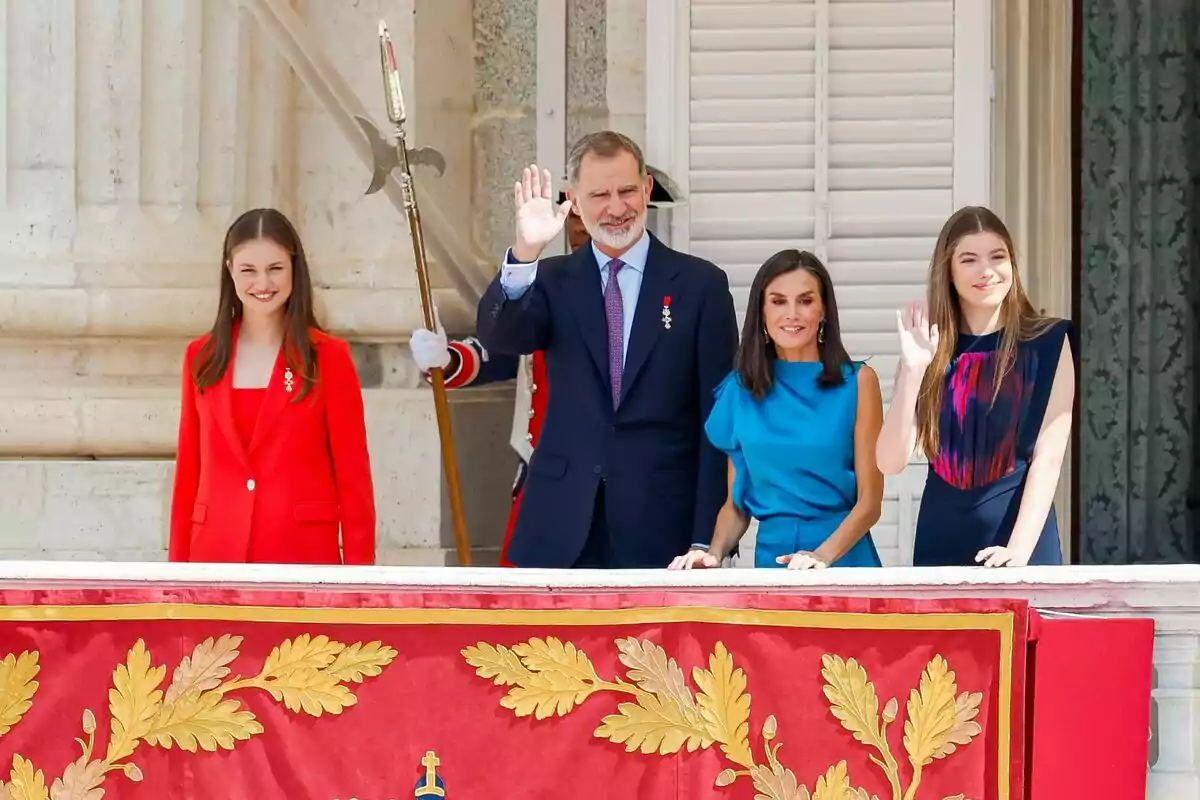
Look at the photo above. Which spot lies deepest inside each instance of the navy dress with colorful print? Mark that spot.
(975, 484)
(793, 459)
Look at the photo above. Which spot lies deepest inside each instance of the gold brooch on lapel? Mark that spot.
(667, 312)
(287, 379)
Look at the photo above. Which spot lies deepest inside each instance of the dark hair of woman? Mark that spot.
(756, 352)
(299, 318)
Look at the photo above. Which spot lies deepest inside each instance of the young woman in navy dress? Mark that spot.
(798, 420)
(985, 388)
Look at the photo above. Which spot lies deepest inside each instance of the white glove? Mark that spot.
(430, 350)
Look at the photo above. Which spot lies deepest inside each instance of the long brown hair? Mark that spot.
(756, 352)
(1019, 320)
(299, 319)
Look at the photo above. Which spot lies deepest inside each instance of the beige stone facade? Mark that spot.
(134, 134)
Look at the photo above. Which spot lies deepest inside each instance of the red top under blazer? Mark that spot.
(282, 498)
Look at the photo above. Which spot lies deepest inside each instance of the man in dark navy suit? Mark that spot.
(636, 338)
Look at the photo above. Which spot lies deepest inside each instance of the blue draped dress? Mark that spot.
(793, 454)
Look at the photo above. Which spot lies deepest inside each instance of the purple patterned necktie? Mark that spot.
(615, 312)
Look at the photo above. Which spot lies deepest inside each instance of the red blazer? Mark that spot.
(305, 473)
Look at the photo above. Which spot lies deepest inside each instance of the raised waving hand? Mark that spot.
(539, 219)
(918, 338)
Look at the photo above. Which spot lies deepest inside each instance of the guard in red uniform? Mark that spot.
(466, 363)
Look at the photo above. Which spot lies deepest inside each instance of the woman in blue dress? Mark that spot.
(798, 420)
(984, 388)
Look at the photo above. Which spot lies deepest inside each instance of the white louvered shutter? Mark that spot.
(752, 134)
(829, 126)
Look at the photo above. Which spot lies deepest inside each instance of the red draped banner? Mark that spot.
(222, 695)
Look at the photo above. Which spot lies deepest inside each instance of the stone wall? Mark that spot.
(587, 68)
(133, 134)
(626, 67)
(504, 125)
(606, 88)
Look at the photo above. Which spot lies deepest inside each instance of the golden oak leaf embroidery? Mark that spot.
(81, 780)
(203, 720)
(194, 713)
(834, 784)
(133, 701)
(725, 706)
(26, 783)
(853, 702)
(312, 691)
(360, 661)
(652, 726)
(545, 695)
(651, 669)
(549, 677)
(204, 669)
(555, 658)
(17, 687)
(966, 708)
(776, 782)
(499, 664)
(303, 652)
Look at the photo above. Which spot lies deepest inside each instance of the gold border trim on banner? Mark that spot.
(1001, 622)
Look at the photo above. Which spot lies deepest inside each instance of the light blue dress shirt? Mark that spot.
(516, 278)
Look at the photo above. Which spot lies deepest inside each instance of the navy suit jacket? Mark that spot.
(664, 482)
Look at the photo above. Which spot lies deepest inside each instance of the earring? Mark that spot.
(821, 333)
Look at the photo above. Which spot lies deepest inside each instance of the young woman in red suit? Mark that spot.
(272, 462)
